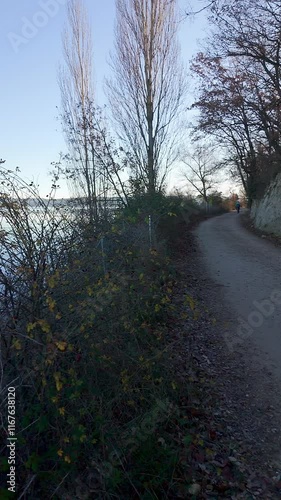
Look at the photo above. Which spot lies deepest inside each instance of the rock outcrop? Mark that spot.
(266, 212)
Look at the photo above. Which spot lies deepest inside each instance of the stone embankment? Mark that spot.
(266, 213)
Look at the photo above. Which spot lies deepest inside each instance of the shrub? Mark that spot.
(84, 341)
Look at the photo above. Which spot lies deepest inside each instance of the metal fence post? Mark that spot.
(102, 254)
(150, 231)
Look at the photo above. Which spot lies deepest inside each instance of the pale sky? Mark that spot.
(30, 52)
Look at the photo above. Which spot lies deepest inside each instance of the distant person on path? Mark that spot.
(237, 206)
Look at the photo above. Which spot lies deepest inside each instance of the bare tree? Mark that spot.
(228, 112)
(240, 92)
(190, 11)
(94, 163)
(148, 85)
(75, 80)
(202, 170)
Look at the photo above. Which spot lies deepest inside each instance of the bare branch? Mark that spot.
(148, 85)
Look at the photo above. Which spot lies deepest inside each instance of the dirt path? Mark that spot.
(236, 348)
(247, 270)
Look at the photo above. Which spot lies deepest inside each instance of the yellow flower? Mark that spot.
(17, 344)
(30, 327)
(59, 385)
(130, 403)
(61, 345)
(60, 453)
(62, 411)
(165, 300)
(159, 380)
(51, 303)
(67, 459)
(45, 327)
(51, 282)
(190, 302)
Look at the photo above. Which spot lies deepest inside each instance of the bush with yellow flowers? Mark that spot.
(85, 342)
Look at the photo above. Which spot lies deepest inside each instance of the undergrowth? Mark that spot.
(85, 343)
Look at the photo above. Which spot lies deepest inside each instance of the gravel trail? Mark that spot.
(238, 280)
(246, 271)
